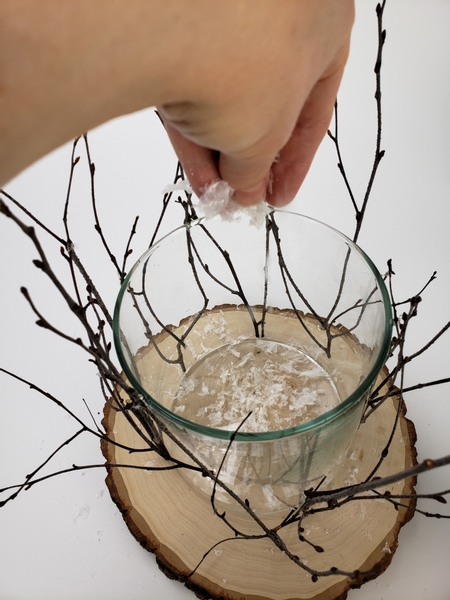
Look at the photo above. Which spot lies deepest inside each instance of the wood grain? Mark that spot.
(177, 523)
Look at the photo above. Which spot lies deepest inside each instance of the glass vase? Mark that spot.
(257, 348)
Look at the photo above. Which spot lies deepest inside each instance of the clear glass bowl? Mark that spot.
(268, 338)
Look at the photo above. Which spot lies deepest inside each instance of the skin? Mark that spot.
(246, 89)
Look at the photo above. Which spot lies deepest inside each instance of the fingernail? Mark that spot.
(281, 194)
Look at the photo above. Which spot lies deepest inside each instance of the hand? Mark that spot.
(263, 103)
(246, 88)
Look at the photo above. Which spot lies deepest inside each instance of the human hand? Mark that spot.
(262, 99)
(246, 89)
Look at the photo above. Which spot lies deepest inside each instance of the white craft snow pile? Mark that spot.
(217, 199)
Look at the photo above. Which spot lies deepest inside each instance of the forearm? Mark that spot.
(239, 83)
(67, 66)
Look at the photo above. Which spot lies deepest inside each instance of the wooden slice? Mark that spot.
(177, 523)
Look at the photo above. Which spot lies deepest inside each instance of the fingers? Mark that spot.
(199, 163)
(261, 146)
(249, 177)
(280, 174)
(295, 158)
(269, 170)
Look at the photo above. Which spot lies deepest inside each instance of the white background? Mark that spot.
(64, 539)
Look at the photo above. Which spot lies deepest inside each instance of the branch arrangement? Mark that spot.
(84, 300)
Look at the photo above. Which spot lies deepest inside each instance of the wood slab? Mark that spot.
(177, 523)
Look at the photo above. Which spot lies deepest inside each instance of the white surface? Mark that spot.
(64, 539)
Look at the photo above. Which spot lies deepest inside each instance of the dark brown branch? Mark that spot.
(335, 138)
(97, 433)
(5, 210)
(240, 290)
(287, 277)
(385, 451)
(379, 153)
(29, 484)
(354, 490)
(128, 249)
(68, 246)
(179, 174)
(97, 225)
